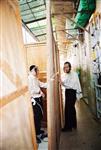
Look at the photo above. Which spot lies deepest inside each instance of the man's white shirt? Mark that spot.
(71, 81)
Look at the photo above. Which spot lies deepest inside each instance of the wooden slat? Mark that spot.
(9, 72)
(33, 133)
(7, 99)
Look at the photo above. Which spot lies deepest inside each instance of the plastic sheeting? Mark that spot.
(86, 8)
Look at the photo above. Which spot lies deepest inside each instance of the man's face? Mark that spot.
(66, 68)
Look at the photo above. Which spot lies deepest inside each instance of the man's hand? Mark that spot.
(60, 82)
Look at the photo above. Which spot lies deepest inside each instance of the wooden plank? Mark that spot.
(33, 132)
(9, 72)
(60, 93)
(36, 52)
(50, 84)
(53, 100)
(9, 98)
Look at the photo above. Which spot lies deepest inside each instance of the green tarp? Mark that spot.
(85, 9)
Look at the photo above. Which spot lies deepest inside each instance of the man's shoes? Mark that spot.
(44, 136)
(66, 130)
(38, 140)
(63, 130)
(69, 130)
(45, 139)
(75, 128)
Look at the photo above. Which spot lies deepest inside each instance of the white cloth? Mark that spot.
(34, 86)
(71, 81)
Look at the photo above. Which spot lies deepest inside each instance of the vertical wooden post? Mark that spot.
(32, 126)
(57, 98)
(50, 82)
(60, 92)
(54, 101)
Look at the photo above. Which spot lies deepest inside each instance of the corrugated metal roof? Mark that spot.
(33, 13)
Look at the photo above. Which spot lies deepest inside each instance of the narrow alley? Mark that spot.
(50, 74)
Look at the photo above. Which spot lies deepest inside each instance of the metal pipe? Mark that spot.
(78, 25)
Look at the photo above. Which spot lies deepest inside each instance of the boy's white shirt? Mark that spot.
(34, 86)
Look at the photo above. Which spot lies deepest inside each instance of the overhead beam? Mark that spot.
(40, 10)
(31, 21)
(24, 3)
(65, 29)
(61, 1)
(33, 7)
(71, 12)
(70, 35)
(41, 35)
(84, 29)
(38, 28)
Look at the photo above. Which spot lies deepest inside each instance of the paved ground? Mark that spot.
(88, 134)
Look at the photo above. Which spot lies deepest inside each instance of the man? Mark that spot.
(72, 86)
(36, 98)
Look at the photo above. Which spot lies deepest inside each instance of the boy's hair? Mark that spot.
(31, 67)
